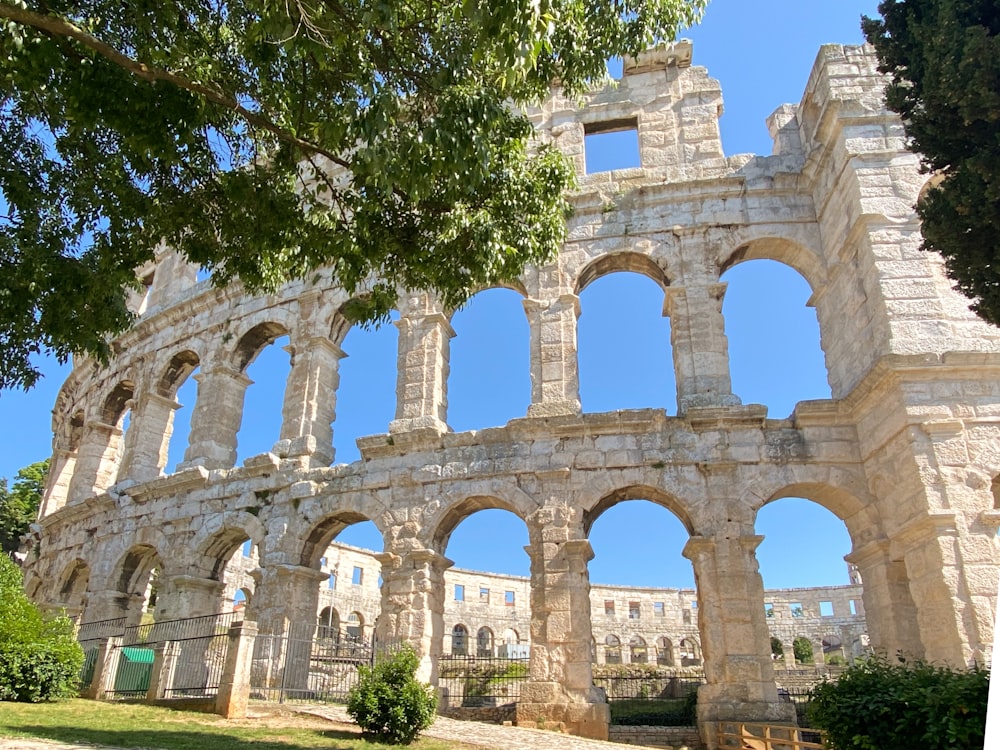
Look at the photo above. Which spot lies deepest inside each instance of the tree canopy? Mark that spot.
(19, 504)
(944, 59)
(263, 140)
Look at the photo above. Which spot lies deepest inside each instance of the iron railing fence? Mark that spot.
(651, 700)
(179, 630)
(98, 629)
(199, 664)
(474, 681)
(800, 698)
(310, 669)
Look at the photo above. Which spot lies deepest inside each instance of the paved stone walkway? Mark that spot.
(486, 736)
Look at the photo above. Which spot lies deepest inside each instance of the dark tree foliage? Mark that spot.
(383, 141)
(944, 59)
(19, 504)
(877, 704)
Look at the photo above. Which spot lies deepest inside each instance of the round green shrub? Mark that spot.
(388, 703)
(879, 705)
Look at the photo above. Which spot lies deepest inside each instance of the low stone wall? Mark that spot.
(491, 714)
(674, 738)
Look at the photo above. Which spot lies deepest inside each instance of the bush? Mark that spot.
(879, 705)
(40, 659)
(388, 703)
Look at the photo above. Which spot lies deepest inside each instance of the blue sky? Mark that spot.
(761, 52)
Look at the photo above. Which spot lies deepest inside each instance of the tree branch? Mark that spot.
(61, 28)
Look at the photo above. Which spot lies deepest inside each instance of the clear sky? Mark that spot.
(762, 53)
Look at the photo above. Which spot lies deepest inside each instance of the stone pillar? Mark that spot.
(700, 347)
(306, 438)
(105, 668)
(285, 602)
(890, 614)
(183, 596)
(422, 373)
(234, 687)
(555, 377)
(57, 486)
(413, 593)
(166, 655)
(173, 275)
(218, 413)
(560, 691)
(97, 461)
(735, 641)
(932, 552)
(110, 604)
(148, 438)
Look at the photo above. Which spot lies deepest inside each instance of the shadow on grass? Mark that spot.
(158, 739)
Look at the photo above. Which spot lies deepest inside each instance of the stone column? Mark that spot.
(105, 668)
(735, 641)
(234, 687)
(890, 614)
(700, 347)
(184, 596)
(555, 377)
(218, 413)
(306, 438)
(932, 550)
(148, 438)
(57, 487)
(422, 373)
(285, 602)
(560, 689)
(97, 461)
(110, 604)
(413, 593)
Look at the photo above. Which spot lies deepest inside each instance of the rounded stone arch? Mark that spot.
(793, 252)
(638, 651)
(68, 414)
(219, 538)
(319, 533)
(593, 508)
(689, 651)
(484, 642)
(345, 317)
(329, 623)
(861, 518)
(117, 402)
(459, 640)
(515, 286)
(664, 651)
(438, 528)
(175, 371)
(623, 261)
(252, 342)
(74, 582)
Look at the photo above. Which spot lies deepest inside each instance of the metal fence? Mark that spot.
(475, 682)
(193, 648)
(288, 669)
(651, 700)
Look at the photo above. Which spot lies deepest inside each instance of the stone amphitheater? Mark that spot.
(905, 452)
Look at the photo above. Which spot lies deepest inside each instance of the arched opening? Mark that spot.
(459, 640)
(179, 383)
(641, 584)
(490, 379)
(484, 643)
(343, 547)
(808, 586)
(137, 582)
(264, 357)
(623, 340)
(775, 357)
(73, 589)
(690, 652)
(366, 394)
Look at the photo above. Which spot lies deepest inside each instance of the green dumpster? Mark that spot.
(135, 667)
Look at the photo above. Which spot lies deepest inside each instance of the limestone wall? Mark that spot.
(905, 452)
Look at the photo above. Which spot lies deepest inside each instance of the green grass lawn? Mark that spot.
(149, 727)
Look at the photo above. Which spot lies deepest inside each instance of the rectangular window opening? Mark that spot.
(459, 592)
(357, 575)
(768, 609)
(796, 609)
(658, 609)
(826, 609)
(508, 598)
(854, 607)
(610, 145)
(484, 595)
(633, 610)
(609, 608)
